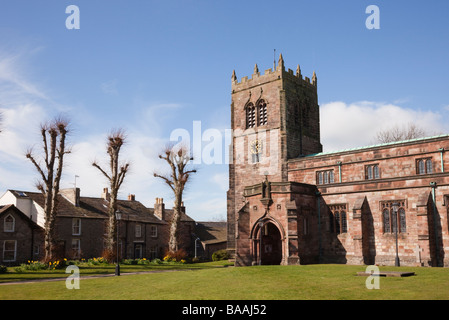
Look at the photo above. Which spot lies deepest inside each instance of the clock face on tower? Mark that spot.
(256, 147)
(256, 151)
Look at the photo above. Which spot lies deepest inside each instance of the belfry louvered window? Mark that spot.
(263, 116)
(250, 116)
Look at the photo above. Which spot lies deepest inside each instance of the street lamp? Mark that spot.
(118, 217)
(396, 224)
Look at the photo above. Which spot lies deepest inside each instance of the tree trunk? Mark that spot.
(174, 226)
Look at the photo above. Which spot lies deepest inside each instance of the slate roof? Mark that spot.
(96, 208)
(211, 232)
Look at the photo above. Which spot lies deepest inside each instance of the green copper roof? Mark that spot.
(377, 145)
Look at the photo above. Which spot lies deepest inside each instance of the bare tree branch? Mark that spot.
(177, 159)
(396, 133)
(115, 140)
(54, 136)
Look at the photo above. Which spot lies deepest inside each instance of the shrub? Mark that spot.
(175, 256)
(220, 255)
(2, 269)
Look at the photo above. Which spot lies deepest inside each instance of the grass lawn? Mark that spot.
(245, 283)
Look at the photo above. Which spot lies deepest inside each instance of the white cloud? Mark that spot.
(355, 125)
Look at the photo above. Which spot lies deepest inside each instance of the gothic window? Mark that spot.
(338, 221)
(9, 224)
(344, 223)
(250, 116)
(393, 220)
(402, 224)
(325, 177)
(320, 177)
(386, 218)
(424, 166)
(372, 172)
(263, 116)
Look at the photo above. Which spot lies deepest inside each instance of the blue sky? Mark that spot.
(154, 66)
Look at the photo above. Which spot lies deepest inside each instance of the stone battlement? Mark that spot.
(277, 72)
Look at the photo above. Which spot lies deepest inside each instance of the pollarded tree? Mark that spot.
(116, 139)
(54, 136)
(178, 160)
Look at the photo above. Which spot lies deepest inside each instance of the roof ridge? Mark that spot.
(375, 145)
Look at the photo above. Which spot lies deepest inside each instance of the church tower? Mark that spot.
(274, 117)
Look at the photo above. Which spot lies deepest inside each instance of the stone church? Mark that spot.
(291, 203)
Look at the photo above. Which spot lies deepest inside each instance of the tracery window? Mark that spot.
(338, 221)
(424, 166)
(393, 220)
(372, 172)
(325, 177)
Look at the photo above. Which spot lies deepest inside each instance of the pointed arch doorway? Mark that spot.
(268, 244)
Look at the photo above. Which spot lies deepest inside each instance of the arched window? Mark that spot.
(263, 116)
(344, 223)
(337, 222)
(392, 220)
(386, 218)
(250, 116)
(428, 166)
(9, 224)
(402, 224)
(320, 177)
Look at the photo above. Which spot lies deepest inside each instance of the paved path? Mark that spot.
(89, 277)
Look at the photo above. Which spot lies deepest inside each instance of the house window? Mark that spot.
(76, 226)
(250, 116)
(338, 219)
(9, 224)
(153, 252)
(153, 231)
(9, 250)
(392, 220)
(372, 172)
(138, 230)
(76, 248)
(263, 117)
(138, 251)
(424, 166)
(325, 177)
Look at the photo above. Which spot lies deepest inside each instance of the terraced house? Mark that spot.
(80, 226)
(291, 203)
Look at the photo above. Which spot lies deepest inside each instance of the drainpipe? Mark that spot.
(433, 185)
(318, 194)
(339, 170)
(442, 162)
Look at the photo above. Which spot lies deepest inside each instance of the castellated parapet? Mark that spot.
(272, 74)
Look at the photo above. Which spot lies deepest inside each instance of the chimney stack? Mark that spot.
(159, 208)
(71, 194)
(131, 197)
(105, 195)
